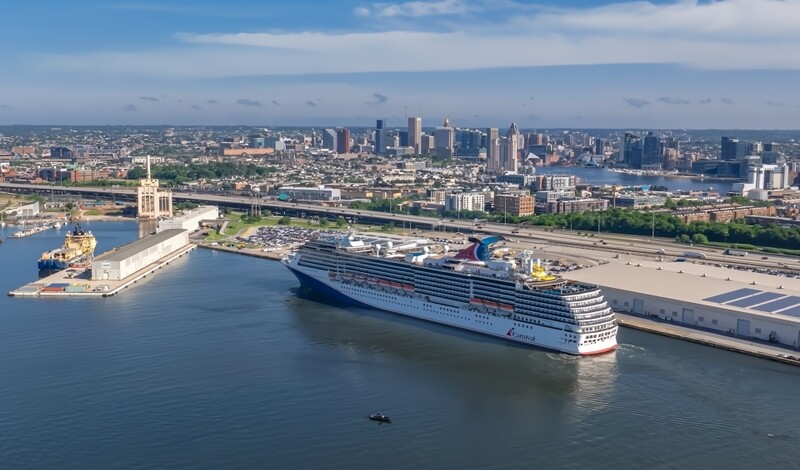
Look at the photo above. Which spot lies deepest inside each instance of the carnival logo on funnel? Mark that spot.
(521, 336)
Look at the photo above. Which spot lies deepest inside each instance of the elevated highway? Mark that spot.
(610, 244)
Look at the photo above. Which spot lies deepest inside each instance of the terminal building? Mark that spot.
(741, 303)
(190, 220)
(309, 194)
(126, 260)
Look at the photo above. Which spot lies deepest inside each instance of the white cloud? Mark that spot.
(361, 11)
(420, 9)
(733, 34)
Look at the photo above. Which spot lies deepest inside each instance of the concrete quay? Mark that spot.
(80, 278)
(708, 338)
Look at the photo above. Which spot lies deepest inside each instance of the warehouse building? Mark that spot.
(126, 260)
(190, 220)
(742, 303)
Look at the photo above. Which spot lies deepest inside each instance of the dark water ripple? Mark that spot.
(217, 362)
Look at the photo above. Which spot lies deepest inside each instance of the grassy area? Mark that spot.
(94, 212)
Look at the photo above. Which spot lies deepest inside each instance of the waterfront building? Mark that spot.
(733, 149)
(554, 182)
(189, 220)
(652, 152)
(153, 202)
(126, 260)
(599, 146)
(630, 152)
(415, 133)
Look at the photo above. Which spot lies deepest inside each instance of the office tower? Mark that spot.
(342, 140)
(509, 149)
(444, 138)
(380, 138)
(415, 133)
(630, 152)
(732, 149)
(599, 146)
(329, 139)
(492, 150)
(426, 144)
(652, 151)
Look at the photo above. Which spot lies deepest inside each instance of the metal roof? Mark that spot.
(723, 288)
(135, 247)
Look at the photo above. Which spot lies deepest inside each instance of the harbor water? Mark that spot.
(604, 176)
(218, 361)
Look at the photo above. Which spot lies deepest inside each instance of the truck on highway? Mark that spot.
(694, 254)
(733, 252)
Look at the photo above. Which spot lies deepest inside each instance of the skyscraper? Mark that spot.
(652, 151)
(380, 137)
(415, 133)
(630, 152)
(329, 139)
(444, 139)
(732, 149)
(342, 140)
(510, 149)
(492, 150)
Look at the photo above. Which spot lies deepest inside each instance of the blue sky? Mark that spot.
(591, 63)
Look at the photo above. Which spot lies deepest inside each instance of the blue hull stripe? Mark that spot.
(324, 289)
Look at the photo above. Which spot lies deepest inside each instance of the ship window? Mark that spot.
(713, 322)
(758, 331)
(700, 319)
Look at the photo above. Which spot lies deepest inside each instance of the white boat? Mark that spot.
(512, 299)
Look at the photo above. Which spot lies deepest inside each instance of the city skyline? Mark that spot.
(581, 64)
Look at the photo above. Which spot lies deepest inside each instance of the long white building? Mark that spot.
(749, 305)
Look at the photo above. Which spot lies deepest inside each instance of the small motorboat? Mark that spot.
(380, 417)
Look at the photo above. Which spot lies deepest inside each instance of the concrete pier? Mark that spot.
(80, 284)
(729, 343)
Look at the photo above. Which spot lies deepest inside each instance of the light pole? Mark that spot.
(653, 232)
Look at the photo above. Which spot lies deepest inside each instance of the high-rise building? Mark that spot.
(599, 146)
(492, 150)
(630, 152)
(732, 149)
(329, 139)
(342, 140)
(509, 149)
(652, 151)
(380, 138)
(444, 139)
(464, 202)
(415, 133)
(426, 144)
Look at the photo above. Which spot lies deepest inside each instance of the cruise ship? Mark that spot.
(509, 297)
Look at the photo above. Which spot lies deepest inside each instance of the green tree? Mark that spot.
(340, 222)
(285, 220)
(699, 238)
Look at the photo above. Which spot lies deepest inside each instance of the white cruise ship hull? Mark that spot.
(411, 305)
